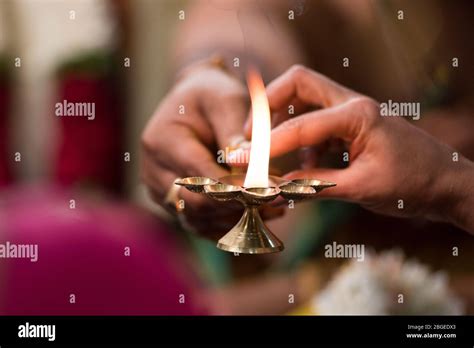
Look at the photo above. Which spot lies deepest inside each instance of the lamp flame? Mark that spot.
(257, 172)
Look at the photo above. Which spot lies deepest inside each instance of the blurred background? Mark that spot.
(65, 44)
(72, 186)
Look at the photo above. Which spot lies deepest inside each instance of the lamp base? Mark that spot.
(250, 235)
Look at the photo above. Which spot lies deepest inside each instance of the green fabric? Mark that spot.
(216, 263)
(95, 62)
(308, 236)
(311, 232)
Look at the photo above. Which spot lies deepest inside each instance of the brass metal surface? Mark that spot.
(250, 235)
(195, 183)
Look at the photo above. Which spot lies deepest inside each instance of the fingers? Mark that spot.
(227, 118)
(308, 86)
(294, 108)
(183, 153)
(314, 128)
(157, 179)
(185, 156)
(309, 156)
(223, 102)
(301, 87)
(343, 121)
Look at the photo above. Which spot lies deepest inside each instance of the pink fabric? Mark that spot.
(90, 151)
(81, 252)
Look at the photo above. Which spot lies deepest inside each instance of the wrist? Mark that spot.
(454, 202)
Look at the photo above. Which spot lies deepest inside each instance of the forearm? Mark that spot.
(455, 197)
(255, 35)
(452, 126)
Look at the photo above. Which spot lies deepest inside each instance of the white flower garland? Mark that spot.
(373, 287)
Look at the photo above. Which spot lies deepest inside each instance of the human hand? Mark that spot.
(179, 145)
(395, 168)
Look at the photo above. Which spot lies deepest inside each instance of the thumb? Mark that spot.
(226, 117)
